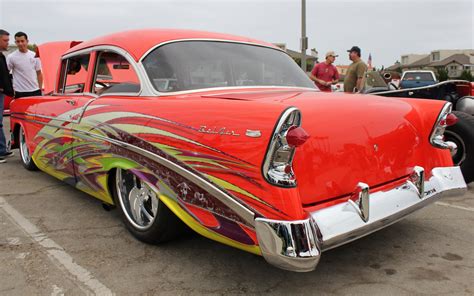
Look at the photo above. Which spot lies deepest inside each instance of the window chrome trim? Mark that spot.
(206, 39)
(117, 50)
(230, 88)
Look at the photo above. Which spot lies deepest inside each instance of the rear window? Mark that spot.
(418, 77)
(206, 64)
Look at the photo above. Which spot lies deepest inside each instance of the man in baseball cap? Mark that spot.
(325, 74)
(355, 72)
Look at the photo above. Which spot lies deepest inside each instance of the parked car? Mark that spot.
(417, 78)
(228, 136)
(6, 105)
(458, 92)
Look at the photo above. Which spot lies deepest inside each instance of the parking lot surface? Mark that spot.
(56, 240)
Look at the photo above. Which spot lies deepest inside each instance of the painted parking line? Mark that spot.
(56, 253)
(439, 203)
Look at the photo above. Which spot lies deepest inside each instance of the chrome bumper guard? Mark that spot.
(297, 245)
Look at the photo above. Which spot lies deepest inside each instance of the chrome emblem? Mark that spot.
(223, 131)
(253, 133)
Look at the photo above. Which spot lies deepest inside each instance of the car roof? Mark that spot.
(139, 42)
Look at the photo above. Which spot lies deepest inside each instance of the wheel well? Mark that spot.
(16, 136)
(111, 185)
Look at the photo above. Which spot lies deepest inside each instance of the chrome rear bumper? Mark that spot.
(297, 245)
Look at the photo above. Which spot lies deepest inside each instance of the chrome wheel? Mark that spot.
(24, 151)
(138, 201)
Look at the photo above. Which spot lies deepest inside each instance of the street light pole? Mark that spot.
(304, 39)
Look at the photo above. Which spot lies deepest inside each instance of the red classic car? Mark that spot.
(228, 136)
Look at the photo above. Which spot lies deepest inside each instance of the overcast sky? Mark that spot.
(384, 28)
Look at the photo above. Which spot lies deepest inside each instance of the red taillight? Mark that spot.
(296, 136)
(445, 119)
(451, 119)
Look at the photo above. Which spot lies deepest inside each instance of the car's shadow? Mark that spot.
(98, 240)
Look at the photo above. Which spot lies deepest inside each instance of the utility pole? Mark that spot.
(304, 39)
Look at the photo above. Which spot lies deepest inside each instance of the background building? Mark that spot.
(456, 63)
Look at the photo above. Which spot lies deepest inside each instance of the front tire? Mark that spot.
(144, 214)
(462, 134)
(25, 154)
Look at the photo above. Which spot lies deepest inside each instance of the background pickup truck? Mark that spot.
(418, 78)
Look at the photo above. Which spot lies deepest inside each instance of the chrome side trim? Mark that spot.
(297, 245)
(246, 214)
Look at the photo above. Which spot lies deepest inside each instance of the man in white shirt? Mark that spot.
(25, 68)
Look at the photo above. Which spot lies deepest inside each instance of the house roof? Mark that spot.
(394, 67)
(419, 63)
(459, 58)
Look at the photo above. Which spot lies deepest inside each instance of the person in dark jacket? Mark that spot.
(6, 88)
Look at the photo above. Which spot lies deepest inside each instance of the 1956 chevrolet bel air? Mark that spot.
(228, 136)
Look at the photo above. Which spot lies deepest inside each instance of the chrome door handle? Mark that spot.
(71, 102)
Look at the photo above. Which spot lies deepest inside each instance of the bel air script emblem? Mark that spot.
(223, 131)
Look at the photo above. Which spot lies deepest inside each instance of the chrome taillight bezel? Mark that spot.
(280, 173)
(437, 134)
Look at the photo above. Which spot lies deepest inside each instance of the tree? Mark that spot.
(309, 63)
(466, 75)
(442, 74)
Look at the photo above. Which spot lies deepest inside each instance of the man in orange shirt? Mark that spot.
(325, 74)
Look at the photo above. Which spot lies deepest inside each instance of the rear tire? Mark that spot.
(25, 155)
(144, 214)
(462, 134)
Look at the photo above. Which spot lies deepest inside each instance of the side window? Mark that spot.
(74, 74)
(114, 74)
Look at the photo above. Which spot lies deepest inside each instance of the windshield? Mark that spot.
(205, 64)
(374, 80)
(418, 77)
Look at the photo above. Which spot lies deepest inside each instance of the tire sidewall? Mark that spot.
(166, 226)
(464, 129)
(30, 165)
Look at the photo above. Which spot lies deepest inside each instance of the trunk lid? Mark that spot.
(353, 139)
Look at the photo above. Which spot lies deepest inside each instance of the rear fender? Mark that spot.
(225, 141)
(424, 117)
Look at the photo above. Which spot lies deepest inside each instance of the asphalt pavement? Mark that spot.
(56, 240)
